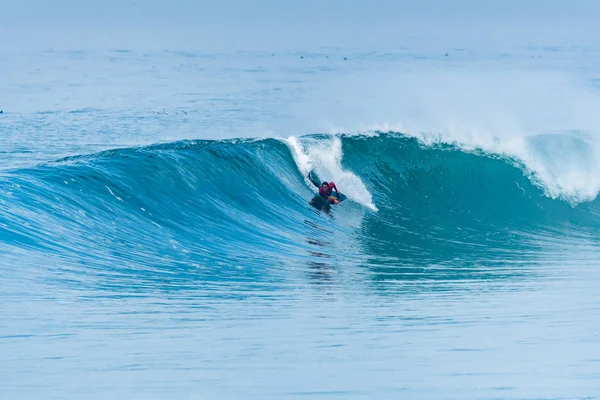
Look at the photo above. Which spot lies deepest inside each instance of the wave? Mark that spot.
(231, 209)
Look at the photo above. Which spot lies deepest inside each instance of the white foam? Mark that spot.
(302, 160)
(324, 157)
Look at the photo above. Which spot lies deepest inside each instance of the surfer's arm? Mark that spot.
(312, 181)
(337, 192)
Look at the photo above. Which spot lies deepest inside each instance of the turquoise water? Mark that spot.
(157, 241)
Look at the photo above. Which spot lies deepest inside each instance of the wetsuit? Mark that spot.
(324, 192)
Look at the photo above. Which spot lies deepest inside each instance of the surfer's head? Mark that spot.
(325, 185)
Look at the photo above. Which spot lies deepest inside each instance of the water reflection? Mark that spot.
(321, 264)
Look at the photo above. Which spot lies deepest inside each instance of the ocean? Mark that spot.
(157, 241)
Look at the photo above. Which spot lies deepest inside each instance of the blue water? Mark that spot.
(157, 241)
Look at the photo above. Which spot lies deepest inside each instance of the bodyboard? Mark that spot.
(341, 196)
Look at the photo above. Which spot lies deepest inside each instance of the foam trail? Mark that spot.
(302, 160)
(325, 159)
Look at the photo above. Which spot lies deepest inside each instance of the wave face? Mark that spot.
(198, 212)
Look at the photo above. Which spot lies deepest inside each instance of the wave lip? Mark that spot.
(563, 164)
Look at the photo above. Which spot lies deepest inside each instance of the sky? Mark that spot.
(267, 25)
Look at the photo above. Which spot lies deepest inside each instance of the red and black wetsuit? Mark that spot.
(324, 192)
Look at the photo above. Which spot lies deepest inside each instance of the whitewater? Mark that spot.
(157, 241)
